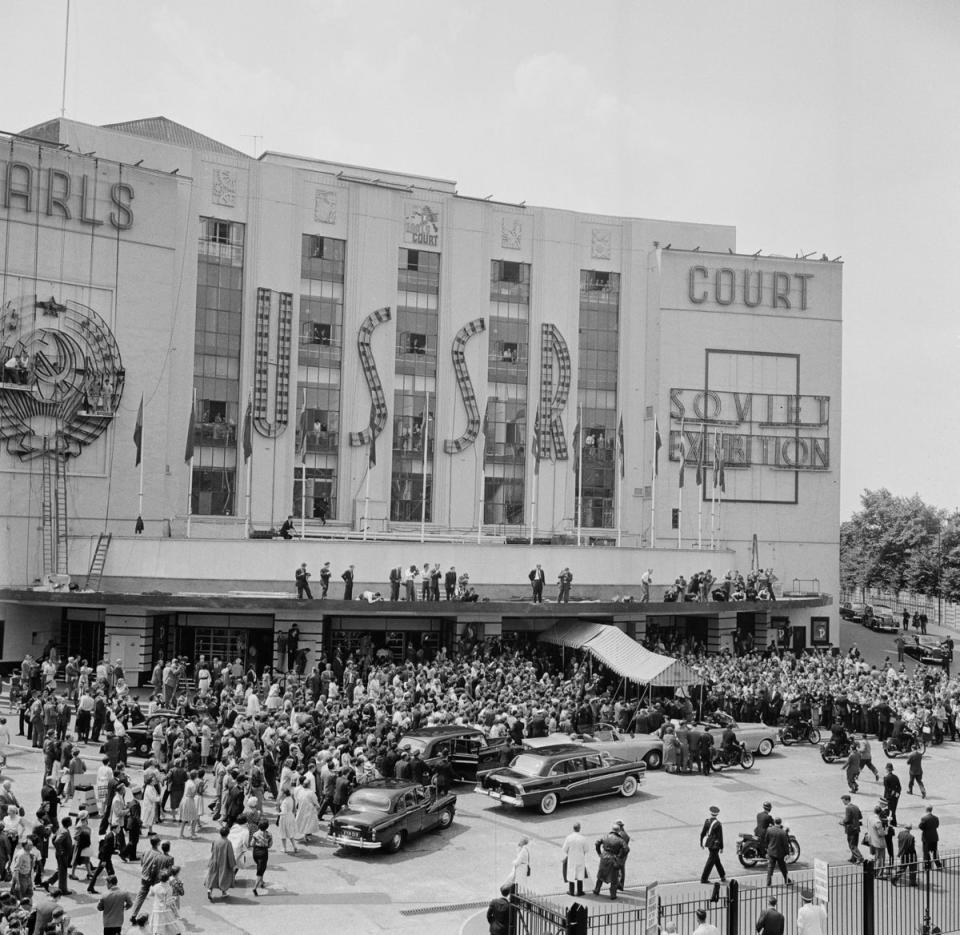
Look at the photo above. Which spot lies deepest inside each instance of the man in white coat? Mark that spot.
(575, 847)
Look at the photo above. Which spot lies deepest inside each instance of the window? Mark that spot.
(220, 232)
(416, 343)
(320, 333)
(509, 271)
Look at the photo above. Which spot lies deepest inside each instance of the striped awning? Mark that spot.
(625, 656)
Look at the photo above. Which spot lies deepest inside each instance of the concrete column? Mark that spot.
(128, 636)
(720, 631)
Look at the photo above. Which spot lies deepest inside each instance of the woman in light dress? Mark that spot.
(288, 776)
(288, 821)
(308, 807)
(151, 806)
(163, 913)
(190, 806)
(239, 838)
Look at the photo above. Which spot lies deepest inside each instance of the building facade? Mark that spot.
(376, 352)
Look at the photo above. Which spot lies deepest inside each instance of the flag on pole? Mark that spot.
(188, 450)
(536, 444)
(623, 458)
(248, 433)
(373, 436)
(723, 479)
(716, 459)
(577, 443)
(302, 427)
(683, 454)
(657, 445)
(138, 432)
(700, 460)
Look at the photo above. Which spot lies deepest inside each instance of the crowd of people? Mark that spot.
(252, 751)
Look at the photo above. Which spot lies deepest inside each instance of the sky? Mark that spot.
(824, 127)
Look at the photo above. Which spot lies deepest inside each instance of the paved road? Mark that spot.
(437, 882)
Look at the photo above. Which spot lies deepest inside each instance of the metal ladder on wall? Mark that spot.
(53, 515)
(97, 563)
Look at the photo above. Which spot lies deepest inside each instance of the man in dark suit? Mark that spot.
(396, 575)
(537, 578)
(778, 846)
(498, 912)
(63, 850)
(450, 583)
(348, 583)
(907, 855)
(711, 838)
(771, 921)
(112, 905)
(930, 839)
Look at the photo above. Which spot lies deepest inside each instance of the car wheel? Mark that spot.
(548, 804)
(142, 749)
(395, 843)
(628, 787)
(765, 747)
(654, 759)
(445, 818)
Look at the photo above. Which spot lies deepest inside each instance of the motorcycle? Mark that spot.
(735, 756)
(906, 743)
(800, 730)
(749, 852)
(833, 750)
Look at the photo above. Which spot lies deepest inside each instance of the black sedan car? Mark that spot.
(470, 751)
(140, 736)
(544, 777)
(385, 813)
(930, 650)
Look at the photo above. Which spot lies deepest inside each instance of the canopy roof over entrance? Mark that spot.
(619, 652)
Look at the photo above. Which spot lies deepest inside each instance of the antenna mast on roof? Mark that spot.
(66, 46)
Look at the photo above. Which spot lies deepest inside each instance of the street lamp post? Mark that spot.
(939, 573)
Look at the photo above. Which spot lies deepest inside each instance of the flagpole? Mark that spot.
(683, 457)
(713, 496)
(653, 497)
(480, 493)
(366, 500)
(140, 495)
(621, 459)
(723, 484)
(425, 437)
(533, 505)
(190, 478)
(580, 473)
(249, 428)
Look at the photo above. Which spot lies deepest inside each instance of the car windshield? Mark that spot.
(527, 765)
(369, 800)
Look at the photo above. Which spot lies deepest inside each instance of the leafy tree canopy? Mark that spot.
(902, 544)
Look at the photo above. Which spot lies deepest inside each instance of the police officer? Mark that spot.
(610, 849)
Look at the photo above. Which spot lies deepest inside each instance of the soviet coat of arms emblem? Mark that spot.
(61, 377)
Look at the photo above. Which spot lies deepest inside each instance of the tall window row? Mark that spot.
(319, 356)
(415, 387)
(597, 395)
(216, 366)
(508, 366)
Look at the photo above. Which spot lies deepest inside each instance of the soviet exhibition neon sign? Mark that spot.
(777, 430)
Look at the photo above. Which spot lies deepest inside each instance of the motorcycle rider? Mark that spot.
(764, 821)
(729, 747)
(838, 737)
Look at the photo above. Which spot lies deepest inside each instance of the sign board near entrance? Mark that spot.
(821, 880)
(653, 910)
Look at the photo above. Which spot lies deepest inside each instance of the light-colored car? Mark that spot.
(605, 738)
(757, 738)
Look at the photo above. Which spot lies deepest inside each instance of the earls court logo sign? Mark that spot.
(421, 225)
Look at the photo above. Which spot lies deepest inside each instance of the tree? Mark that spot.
(901, 543)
